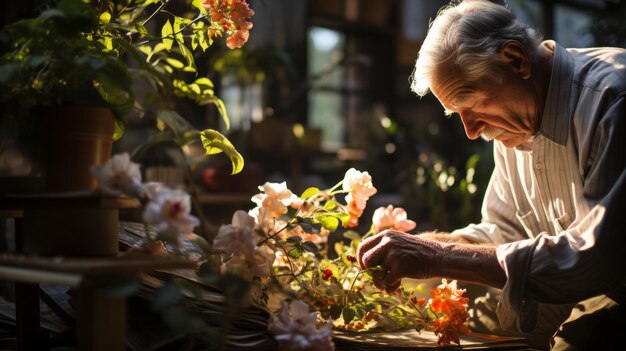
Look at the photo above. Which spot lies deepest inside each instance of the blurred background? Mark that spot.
(323, 85)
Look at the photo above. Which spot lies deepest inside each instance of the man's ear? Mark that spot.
(514, 54)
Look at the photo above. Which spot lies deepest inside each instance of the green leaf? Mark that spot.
(187, 54)
(174, 63)
(293, 239)
(338, 248)
(348, 314)
(177, 30)
(221, 108)
(204, 40)
(105, 18)
(329, 222)
(335, 311)
(310, 246)
(329, 205)
(166, 33)
(309, 192)
(308, 226)
(198, 4)
(343, 217)
(295, 252)
(351, 235)
(214, 142)
(431, 314)
(205, 82)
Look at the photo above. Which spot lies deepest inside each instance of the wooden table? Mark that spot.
(101, 318)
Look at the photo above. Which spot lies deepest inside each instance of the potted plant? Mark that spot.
(69, 79)
(83, 59)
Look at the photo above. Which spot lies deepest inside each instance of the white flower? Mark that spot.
(119, 176)
(264, 219)
(360, 187)
(169, 212)
(295, 328)
(236, 238)
(391, 218)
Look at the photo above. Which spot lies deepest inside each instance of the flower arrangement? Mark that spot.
(282, 246)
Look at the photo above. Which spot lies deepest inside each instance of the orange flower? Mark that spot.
(231, 16)
(449, 301)
(447, 298)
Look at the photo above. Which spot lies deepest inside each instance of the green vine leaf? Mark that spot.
(214, 143)
(335, 311)
(166, 33)
(330, 205)
(309, 192)
(293, 239)
(310, 246)
(188, 55)
(308, 226)
(295, 252)
(348, 314)
(329, 222)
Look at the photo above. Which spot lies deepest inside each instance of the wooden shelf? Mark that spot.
(83, 199)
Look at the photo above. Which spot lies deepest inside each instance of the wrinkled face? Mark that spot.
(505, 111)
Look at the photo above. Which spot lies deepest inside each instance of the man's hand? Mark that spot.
(414, 256)
(400, 255)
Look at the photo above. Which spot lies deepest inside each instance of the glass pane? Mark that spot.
(572, 27)
(243, 103)
(326, 113)
(325, 49)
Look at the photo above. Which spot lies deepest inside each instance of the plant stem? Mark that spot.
(155, 12)
(335, 186)
(352, 285)
(195, 201)
(268, 237)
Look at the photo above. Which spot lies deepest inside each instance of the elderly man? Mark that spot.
(552, 231)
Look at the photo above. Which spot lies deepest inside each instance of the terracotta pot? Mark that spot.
(72, 139)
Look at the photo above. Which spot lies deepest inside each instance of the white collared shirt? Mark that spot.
(557, 208)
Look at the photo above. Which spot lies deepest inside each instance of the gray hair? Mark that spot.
(472, 33)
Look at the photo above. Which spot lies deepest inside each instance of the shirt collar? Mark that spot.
(555, 121)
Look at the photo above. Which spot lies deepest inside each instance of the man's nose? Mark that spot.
(473, 127)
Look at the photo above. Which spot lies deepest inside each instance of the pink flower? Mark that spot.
(236, 238)
(276, 198)
(257, 264)
(295, 328)
(391, 218)
(238, 243)
(169, 212)
(360, 188)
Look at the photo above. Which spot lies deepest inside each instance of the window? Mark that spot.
(326, 48)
